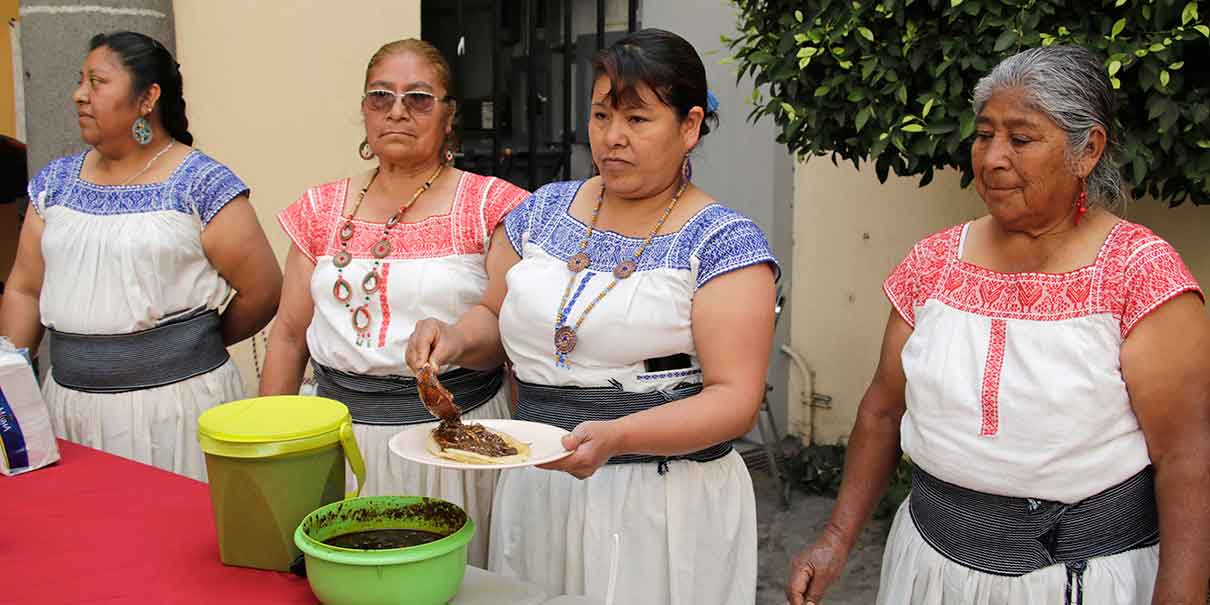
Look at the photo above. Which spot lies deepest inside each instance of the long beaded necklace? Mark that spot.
(566, 336)
(342, 290)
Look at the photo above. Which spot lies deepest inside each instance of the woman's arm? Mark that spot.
(733, 334)
(20, 319)
(236, 245)
(1166, 365)
(872, 455)
(287, 354)
(474, 340)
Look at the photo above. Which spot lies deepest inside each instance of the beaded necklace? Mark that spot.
(342, 290)
(566, 336)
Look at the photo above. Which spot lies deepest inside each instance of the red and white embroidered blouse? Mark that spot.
(1014, 382)
(435, 269)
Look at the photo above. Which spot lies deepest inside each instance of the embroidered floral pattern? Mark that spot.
(670, 374)
(719, 238)
(199, 185)
(990, 398)
(384, 275)
(1134, 272)
(480, 203)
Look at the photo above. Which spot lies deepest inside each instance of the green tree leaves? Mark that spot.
(890, 81)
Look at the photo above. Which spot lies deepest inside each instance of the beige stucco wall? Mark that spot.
(8, 112)
(850, 231)
(273, 90)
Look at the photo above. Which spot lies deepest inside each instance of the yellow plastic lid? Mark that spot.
(270, 419)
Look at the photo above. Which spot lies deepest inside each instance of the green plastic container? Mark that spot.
(428, 574)
(270, 462)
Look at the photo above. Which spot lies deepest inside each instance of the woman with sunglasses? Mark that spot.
(377, 252)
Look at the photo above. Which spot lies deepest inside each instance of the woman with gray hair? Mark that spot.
(1044, 368)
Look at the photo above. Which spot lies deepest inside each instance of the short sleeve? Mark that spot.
(902, 287)
(502, 198)
(298, 220)
(212, 188)
(517, 223)
(37, 190)
(919, 275)
(735, 244)
(1155, 274)
(48, 181)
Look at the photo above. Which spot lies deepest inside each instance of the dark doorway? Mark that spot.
(521, 69)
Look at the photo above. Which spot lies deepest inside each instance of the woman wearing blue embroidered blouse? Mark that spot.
(132, 248)
(638, 314)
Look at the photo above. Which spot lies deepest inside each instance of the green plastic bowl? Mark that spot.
(428, 574)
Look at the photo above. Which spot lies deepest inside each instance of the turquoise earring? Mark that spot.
(141, 131)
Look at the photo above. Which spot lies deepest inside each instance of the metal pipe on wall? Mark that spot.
(806, 393)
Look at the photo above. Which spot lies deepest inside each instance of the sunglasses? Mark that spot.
(416, 101)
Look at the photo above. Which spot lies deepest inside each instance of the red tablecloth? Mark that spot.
(96, 528)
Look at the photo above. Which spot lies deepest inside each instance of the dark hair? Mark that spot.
(150, 63)
(666, 63)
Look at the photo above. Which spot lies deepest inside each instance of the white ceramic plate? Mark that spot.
(545, 443)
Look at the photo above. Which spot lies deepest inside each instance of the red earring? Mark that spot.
(1082, 201)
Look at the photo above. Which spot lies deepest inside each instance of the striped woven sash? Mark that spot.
(1008, 536)
(566, 407)
(171, 352)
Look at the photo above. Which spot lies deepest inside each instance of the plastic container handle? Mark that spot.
(354, 456)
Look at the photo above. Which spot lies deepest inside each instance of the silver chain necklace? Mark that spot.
(149, 163)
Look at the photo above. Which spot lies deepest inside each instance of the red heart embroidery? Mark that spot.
(1077, 291)
(953, 281)
(1028, 294)
(990, 291)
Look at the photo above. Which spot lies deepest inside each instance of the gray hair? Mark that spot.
(1068, 84)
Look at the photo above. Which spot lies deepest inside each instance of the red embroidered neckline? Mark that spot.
(457, 231)
(935, 271)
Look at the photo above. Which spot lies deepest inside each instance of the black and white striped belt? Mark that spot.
(566, 407)
(1008, 536)
(174, 351)
(394, 400)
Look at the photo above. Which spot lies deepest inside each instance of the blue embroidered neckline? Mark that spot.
(197, 185)
(563, 234)
(77, 168)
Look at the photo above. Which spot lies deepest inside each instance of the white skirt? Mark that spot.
(688, 537)
(390, 475)
(155, 426)
(916, 574)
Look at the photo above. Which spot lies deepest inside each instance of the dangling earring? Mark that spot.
(1082, 201)
(449, 156)
(364, 150)
(687, 169)
(141, 131)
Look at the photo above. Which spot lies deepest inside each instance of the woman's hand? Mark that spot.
(592, 444)
(435, 343)
(816, 568)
